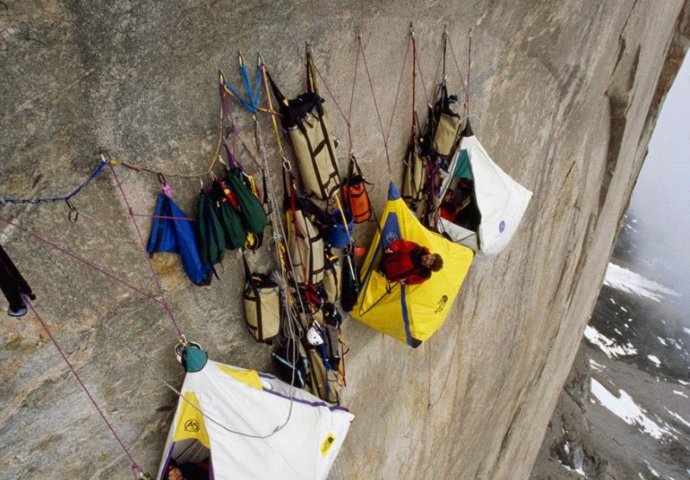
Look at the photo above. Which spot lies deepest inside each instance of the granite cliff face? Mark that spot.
(563, 96)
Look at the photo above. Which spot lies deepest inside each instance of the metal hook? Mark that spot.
(141, 474)
(412, 29)
(73, 214)
(165, 186)
(241, 58)
(221, 77)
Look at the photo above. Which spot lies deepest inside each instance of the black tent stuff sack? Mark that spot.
(290, 362)
(261, 305)
(332, 319)
(349, 285)
(13, 286)
(306, 122)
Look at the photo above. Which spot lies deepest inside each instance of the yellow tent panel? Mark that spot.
(410, 313)
(190, 421)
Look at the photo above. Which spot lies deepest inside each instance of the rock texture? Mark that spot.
(563, 96)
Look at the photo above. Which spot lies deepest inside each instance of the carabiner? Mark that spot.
(73, 214)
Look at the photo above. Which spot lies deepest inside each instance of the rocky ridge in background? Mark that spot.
(565, 97)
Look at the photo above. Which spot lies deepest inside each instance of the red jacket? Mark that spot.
(404, 263)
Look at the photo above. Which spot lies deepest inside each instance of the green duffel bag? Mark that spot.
(251, 211)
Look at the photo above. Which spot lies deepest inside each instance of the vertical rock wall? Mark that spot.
(562, 95)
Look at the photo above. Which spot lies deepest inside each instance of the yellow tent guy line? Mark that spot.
(141, 168)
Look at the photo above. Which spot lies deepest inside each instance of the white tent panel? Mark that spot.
(501, 201)
(236, 415)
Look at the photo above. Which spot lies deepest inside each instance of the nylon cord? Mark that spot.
(27, 301)
(78, 258)
(376, 108)
(35, 201)
(164, 302)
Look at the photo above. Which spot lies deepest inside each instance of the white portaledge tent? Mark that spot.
(250, 425)
(501, 201)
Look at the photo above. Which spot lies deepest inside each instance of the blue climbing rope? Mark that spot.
(75, 192)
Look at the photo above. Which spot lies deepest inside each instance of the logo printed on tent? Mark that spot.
(441, 303)
(501, 226)
(327, 443)
(191, 426)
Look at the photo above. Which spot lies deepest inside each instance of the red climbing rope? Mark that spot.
(164, 301)
(135, 466)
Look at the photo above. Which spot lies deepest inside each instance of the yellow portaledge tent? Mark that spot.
(410, 313)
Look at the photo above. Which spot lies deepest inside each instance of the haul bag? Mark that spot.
(306, 248)
(446, 133)
(319, 382)
(315, 153)
(415, 179)
(261, 305)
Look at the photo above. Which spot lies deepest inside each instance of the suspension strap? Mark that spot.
(78, 258)
(164, 302)
(413, 128)
(135, 466)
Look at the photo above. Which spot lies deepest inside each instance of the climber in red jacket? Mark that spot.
(409, 263)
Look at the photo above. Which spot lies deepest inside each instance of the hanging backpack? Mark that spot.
(415, 179)
(210, 229)
(306, 248)
(306, 122)
(355, 194)
(447, 122)
(261, 305)
(228, 214)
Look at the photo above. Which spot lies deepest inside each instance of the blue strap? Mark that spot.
(34, 201)
(254, 96)
(406, 318)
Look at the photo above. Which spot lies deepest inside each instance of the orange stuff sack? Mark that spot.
(355, 194)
